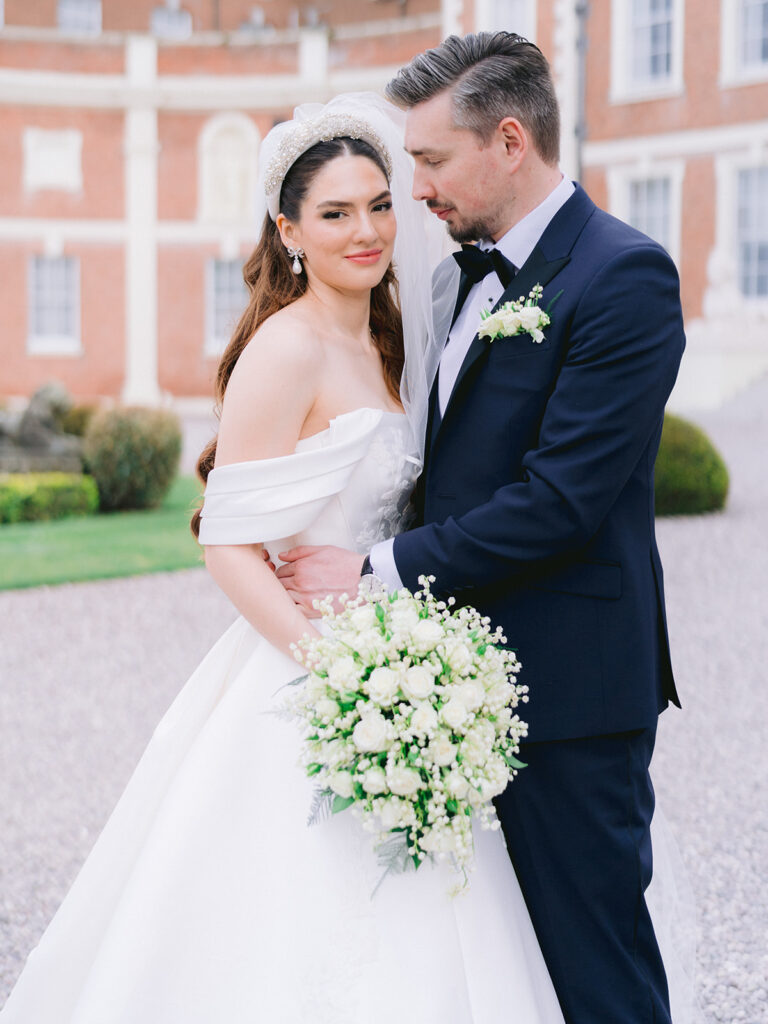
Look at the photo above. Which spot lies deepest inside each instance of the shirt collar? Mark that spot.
(519, 242)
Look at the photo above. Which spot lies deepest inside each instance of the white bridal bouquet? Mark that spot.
(409, 713)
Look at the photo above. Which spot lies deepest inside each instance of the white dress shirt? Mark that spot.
(517, 245)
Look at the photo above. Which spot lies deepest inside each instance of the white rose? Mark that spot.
(424, 719)
(474, 797)
(439, 840)
(366, 642)
(489, 788)
(315, 687)
(529, 317)
(441, 751)
(426, 635)
(491, 325)
(363, 618)
(403, 616)
(510, 322)
(383, 685)
(341, 784)
(456, 785)
(471, 695)
(458, 655)
(403, 781)
(370, 733)
(391, 812)
(327, 708)
(375, 781)
(454, 713)
(418, 682)
(334, 752)
(343, 673)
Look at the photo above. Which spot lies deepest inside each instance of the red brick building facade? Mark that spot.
(129, 141)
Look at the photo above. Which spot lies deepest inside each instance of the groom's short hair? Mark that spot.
(492, 75)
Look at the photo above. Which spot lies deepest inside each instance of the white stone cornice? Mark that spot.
(748, 135)
(20, 229)
(237, 38)
(180, 92)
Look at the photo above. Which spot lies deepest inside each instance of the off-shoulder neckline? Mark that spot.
(343, 415)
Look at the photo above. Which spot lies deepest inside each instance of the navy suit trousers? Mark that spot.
(576, 822)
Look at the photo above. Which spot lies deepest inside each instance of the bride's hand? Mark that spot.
(313, 573)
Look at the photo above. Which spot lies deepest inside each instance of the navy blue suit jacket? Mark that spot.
(536, 500)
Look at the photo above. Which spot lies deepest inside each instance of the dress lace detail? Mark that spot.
(398, 474)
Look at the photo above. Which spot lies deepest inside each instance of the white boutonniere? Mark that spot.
(524, 316)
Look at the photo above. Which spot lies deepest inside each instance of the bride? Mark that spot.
(207, 899)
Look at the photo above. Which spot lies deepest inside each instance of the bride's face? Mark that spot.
(347, 225)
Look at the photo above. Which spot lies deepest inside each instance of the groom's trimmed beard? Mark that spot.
(468, 231)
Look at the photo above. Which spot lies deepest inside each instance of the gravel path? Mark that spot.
(86, 670)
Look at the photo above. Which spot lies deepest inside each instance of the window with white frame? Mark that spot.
(54, 305)
(652, 28)
(646, 48)
(649, 196)
(170, 21)
(225, 300)
(227, 161)
(650, 207)
(754, 33)
(752, 231)
(79, 16)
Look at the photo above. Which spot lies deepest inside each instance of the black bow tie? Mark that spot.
(477, 264)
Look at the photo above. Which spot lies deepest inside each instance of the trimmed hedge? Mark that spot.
(691, 476)
(26, 497)
(133, 454)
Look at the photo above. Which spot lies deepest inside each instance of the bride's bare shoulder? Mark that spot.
(271, 391)
(284, 342)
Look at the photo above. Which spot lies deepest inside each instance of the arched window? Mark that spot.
(228, 151)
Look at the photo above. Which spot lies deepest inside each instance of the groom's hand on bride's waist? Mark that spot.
(313, 573)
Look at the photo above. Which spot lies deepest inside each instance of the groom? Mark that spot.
(536, 500)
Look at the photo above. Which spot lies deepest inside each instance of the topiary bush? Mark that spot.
(75, 420)
(133, 454)
(691, 476)
(26, 497)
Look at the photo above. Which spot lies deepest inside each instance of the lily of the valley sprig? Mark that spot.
(523, 316)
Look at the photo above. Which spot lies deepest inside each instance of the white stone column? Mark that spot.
(565, 68)
(313, 57)
(450, 17)
(141, 149)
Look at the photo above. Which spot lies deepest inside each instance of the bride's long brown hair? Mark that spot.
(272, 285)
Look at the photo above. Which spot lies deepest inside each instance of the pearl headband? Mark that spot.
(296, 137)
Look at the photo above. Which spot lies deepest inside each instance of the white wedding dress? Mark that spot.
(208, 899)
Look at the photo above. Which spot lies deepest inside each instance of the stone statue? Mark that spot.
(34, 442)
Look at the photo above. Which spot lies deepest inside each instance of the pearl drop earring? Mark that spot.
(298, 255)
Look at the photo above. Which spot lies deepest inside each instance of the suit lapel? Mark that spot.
(536, 270)
(548, 258)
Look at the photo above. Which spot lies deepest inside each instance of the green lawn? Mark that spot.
(102, 546)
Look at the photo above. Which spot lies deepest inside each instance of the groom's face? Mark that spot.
(463, 182)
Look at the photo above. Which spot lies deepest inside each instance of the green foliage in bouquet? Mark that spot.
(26, 497)
(691, 476)
(133, 454)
